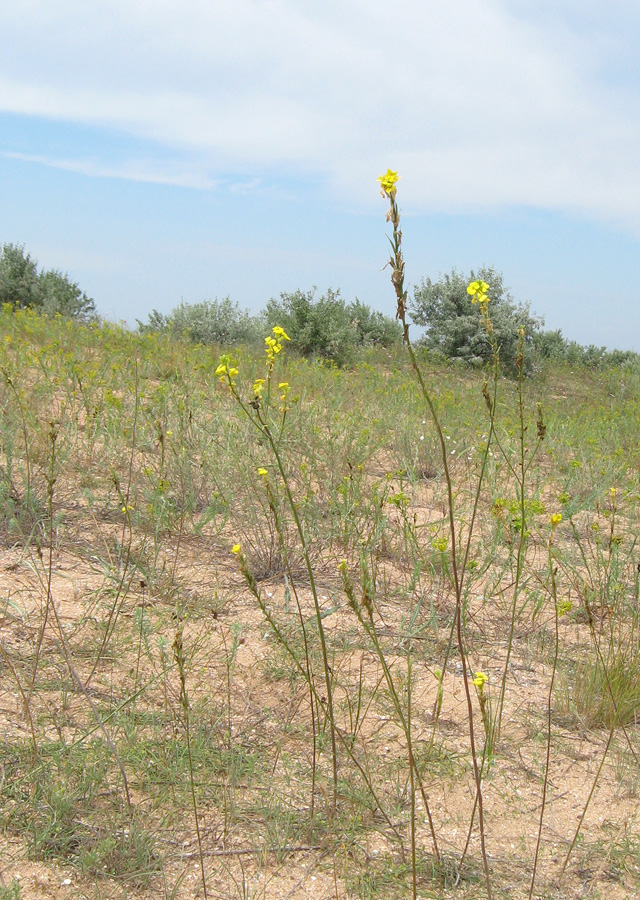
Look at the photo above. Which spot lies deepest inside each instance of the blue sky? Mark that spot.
(165, 150)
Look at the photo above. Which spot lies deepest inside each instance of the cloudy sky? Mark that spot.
(162, 150)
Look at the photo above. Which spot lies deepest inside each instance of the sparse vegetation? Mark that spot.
(270, 628)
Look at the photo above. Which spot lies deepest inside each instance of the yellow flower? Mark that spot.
(258, 386)
(226, 368)
(236, 549)
(480, 679)
(478, 291)
(274, 345)
(281, 333)
(262, 472)
(388, 182)
(555, 519)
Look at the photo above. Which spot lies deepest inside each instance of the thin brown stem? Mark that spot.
(397, 279)
(554, 597)
(178, 652)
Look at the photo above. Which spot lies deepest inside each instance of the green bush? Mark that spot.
(328, 327)
(208, 322)
(455, 326)
(552, 345)
(51, 292)
(58, 294)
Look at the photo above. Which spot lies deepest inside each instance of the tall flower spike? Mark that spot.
(274, 345)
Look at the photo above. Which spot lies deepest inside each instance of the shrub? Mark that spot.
(157, 324)
(374, 328)
(552, 345)
(455, 326)
(328, 327)
(208, 322)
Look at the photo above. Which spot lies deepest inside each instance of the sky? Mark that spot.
(165, 151)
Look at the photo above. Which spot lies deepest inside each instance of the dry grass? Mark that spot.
(117, 531)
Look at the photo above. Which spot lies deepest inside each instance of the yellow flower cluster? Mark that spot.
(480, 679)
(555, 520)
(226, 369)
(388, 183)
(478, 291)
(274, 345)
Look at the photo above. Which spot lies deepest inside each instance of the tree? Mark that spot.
(455, 326)
(18, 277)
(58, 294)
(51, 292)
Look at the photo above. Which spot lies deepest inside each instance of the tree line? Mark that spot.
(326, 325)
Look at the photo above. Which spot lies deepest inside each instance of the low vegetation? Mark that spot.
(271, 628)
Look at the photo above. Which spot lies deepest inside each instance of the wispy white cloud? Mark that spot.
(142, 171)
(480, 103)
(248, 187)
